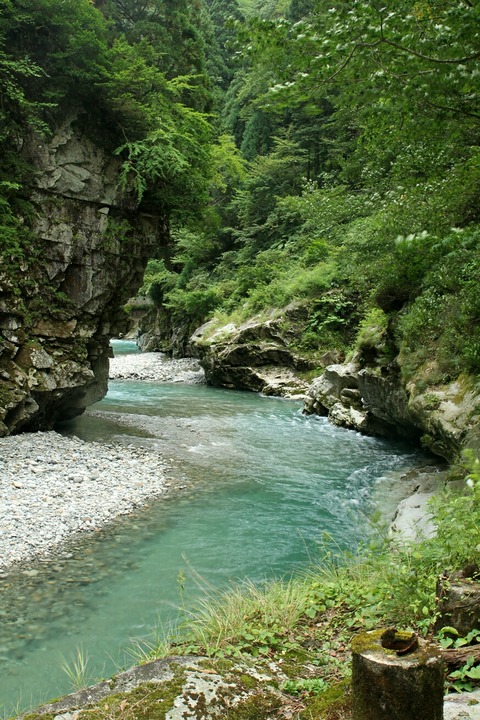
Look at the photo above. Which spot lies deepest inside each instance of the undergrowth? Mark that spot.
(306, 623)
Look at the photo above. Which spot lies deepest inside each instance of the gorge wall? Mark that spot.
(60, 302)
(369, 397)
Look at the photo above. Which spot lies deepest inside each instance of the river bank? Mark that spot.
(116, 587)
(54, 487)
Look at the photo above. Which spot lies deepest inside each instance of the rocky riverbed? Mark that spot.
(53, 487)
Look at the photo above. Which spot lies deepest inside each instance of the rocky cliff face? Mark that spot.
(256, 355)
(375, 401)
(369, 397)
(60, 305)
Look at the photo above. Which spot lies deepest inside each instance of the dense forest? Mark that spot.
(300, 151)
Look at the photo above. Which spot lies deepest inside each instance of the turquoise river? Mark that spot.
(256, 485)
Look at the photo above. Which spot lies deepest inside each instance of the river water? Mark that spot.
(260, 485)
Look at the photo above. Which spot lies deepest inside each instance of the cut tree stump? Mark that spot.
(401, 682)
(458, 603)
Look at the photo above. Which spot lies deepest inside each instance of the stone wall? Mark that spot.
(60, 306)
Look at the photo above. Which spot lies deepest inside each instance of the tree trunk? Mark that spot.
(391, 686)
(455, 658)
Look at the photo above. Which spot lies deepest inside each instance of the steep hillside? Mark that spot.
(100, 146)
(349, 186)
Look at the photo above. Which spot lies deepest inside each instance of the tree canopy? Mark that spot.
(302, 150)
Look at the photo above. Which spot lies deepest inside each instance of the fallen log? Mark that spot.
(456, 657)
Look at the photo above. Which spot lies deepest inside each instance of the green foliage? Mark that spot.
(194, 303)
(275, 175)
(157, 281)
(63, 45)
(303, 687)
(457, 516)
(331, 320)
(171, 30)
(461, 680)
(457, 641)
(228, 163)
(372, 330)
(349, 171)
(57, 58)
(77, 670)
(173, 160)
(448, 303)
(418, 57)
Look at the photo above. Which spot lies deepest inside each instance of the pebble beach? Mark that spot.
(52, 486)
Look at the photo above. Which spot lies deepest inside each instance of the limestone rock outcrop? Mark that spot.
(60, 306)
(256, 355)
(156, 332)
(375, 401)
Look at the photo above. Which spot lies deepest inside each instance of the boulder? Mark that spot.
(376, 401)
(178, 688)
(448, 414)
(256, 355)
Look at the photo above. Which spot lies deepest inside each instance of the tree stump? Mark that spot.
(400, 682)
(459, 601)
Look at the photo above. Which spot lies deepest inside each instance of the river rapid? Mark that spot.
(255, 488)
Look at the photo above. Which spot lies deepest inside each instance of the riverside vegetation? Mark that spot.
(297, 633)
(298, 151)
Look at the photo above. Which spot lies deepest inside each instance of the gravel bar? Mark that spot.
(156, 366)
(52, 487)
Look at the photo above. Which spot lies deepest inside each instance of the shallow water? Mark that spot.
(263, 483)
(124, 347)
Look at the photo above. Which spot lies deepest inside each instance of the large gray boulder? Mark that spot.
(376, 401)
(256, 355)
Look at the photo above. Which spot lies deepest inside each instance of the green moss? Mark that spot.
(309, 375)
(220, 665)
(255, 707)
(333, 704)
(363, 642)
(150, 701)
(248, 681)
(432, 402)
(294, 659)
